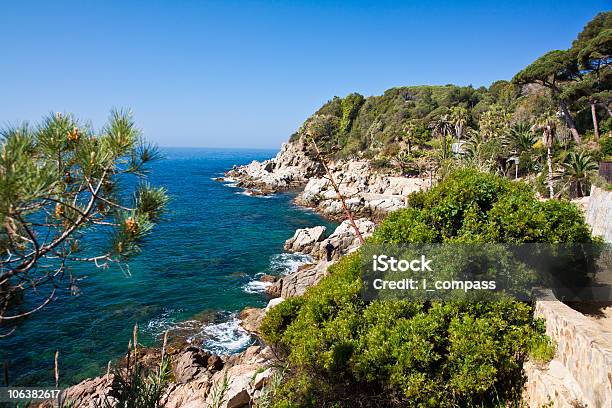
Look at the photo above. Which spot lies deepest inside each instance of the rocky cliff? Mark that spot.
(368, 192)
(290, 168)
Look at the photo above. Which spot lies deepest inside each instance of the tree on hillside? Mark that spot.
(552, 70)
(350, 106)
(593, 49)
(548, 126)
(459, 116)
(519, 141)
(414, 133)
(577, 75)
(59, 183)
(578, 168)
(442, 127)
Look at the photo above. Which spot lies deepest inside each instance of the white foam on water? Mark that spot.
(256, 286)
(227, 181)
(226, 337)
(245, 193)
(165, 322)
(285, 263)
(250, 193)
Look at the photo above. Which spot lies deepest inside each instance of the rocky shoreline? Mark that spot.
(198, 375)
(368, 192)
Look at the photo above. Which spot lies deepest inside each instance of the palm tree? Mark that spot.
(459, 117)
(443, 127)
(520, 138)
(518, 144)
(578, 167)
(410, 129)
(548, 126)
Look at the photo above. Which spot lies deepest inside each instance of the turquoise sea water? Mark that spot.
(195, 272)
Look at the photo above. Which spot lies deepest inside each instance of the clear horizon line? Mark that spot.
(217, 147)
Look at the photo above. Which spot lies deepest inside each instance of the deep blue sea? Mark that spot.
(196, 271)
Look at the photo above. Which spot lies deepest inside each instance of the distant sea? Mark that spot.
(197, 270)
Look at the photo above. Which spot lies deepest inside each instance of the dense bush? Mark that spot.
(343, 351)
(605, 144)
(371, 125)
(476, 207)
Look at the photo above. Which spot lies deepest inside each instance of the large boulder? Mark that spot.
(190, 364)
(250, 319)
(344, 238)
(304, 239)
(91, 393)
(296, 283)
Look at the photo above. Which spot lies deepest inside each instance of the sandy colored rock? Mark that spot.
(189, 364)
(250, 319)
(304, 239)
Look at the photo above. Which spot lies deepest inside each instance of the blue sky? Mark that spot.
(246, 74)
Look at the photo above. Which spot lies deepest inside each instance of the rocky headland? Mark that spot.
(197, 375)
(368, 192)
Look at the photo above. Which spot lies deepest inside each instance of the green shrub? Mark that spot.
(605, 145)
(477, 207)
(279, 318)
(343, 351)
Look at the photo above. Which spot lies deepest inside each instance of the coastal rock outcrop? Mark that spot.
(250, 319)
(191, 364)
(367, 192)
(296, 283)
(344, 240)
(230, 387)
(304, 239)
(290, 168)
(92, 392)
(199, 379)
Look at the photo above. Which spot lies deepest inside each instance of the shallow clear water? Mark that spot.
(200, 264)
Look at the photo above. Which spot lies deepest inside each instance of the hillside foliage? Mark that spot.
(563, 97)
(344, 351)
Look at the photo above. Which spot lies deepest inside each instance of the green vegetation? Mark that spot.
(344, 351)
(469, 206)
(562, 98)
(137, 385)
(59, 181)
(544, 127)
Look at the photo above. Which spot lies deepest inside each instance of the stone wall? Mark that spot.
(599, 213)
(580, 375)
